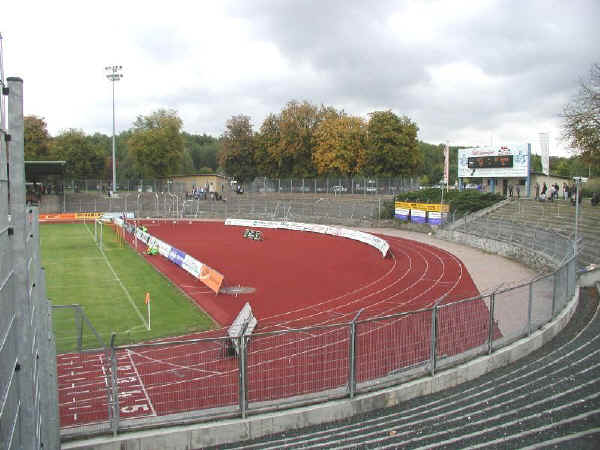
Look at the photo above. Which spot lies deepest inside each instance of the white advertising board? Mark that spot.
(374, 241)
(494, 161)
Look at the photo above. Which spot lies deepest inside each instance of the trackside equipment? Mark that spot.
(242, 325)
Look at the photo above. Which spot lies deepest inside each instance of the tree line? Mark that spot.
(156, 146)
(306, 141)
(301, 141)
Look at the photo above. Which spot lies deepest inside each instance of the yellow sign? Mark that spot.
(435, 207)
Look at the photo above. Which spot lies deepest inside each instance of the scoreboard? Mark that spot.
(490, 162)
(506, 161)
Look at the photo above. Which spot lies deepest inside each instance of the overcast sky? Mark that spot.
(468, 72)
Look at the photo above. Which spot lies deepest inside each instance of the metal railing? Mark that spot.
(179, 381)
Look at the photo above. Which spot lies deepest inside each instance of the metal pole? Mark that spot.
(433, 348)
(23, 364)
(115, 387)
(114, 169)
(491, 323)
(577, 189)
(243, 387)
(114, 76)
(529, 309)
(352, 359)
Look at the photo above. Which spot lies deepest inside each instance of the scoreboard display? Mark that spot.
(490, 162)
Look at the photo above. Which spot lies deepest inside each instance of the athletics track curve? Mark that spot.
(300, 279)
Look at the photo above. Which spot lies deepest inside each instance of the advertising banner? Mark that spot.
(211, 278)
(164, 249)
(374, 241)
(192, 265)
(438, 207)
(176, 256)
(436, 218)
(401, 213)
(418, 216)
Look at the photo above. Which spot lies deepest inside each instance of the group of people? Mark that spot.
(203, 193)
(552, 192)
(517, 189)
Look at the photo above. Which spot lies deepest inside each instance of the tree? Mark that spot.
(239, 143)
(267, 155)
(581, 119)
(37, 139)
(156, 144)
(297, 123)
(392, 146)
(203, 149)
(340, 145)
(84, 158)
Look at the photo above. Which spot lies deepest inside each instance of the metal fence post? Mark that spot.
(491, 323)
(79, 315)
(243, 400)
(433, 349)
(352, 360)
(554, 289)
(352, 356)
(529, 309)
(114, 386)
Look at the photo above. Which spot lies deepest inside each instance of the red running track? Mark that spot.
(300, 279)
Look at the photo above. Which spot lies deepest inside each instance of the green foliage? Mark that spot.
(392, 146)
(84, 158)
(37, 139)
(156, 144)
(433, 163)
(204, 150)
(239, 143)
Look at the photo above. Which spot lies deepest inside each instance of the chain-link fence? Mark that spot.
(348, 211)
(28, 403)
(178, 381)
(356, 185)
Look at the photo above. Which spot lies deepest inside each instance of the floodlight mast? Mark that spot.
(114, 75)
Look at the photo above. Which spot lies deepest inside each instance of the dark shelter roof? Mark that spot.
(38, 169)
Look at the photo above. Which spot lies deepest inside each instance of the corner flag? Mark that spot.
(147, 302)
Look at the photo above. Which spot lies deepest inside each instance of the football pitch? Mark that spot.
(110, 284)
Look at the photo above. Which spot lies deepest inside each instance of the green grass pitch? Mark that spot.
(111, 286)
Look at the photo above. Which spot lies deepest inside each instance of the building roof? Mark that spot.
(37, 169)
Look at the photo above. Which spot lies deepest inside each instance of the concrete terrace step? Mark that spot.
(549, 398)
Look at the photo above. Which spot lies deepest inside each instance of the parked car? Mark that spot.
(339, 188)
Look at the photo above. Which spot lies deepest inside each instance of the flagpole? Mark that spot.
(147, 300)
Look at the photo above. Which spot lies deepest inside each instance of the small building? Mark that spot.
(495, 168)
(499, 169)
(208, 182)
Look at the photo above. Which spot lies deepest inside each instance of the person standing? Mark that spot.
(544, 190)
(537, 191)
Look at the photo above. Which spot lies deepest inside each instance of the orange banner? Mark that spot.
(69, 217)
(211, 278)
(64, 217)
